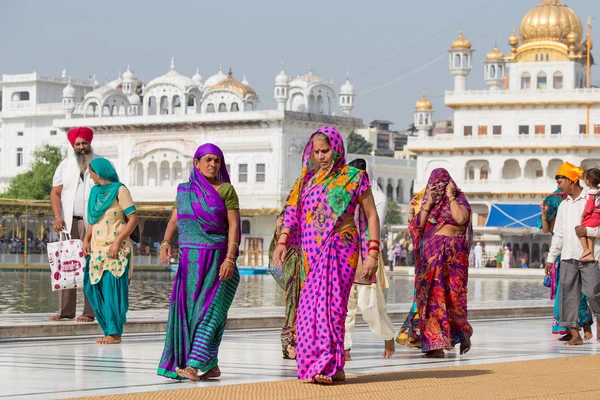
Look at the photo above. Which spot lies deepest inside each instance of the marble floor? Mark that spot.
(64, 368)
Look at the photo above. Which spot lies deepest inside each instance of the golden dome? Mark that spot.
(513, 40)
(423, 104)
(461, 42)
(495, 54)
(232, 84)
(551, 21)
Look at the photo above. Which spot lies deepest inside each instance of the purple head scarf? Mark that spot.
(210, 207)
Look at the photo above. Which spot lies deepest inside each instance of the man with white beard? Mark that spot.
(369, 298)
(71, 187)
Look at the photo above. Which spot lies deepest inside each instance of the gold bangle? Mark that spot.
(374, 258)
(236, 245)
(424, 209)
(229, 261)
(452, 199)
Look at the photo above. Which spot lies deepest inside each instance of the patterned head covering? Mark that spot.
(202, 187)
(570, 171)
(441, 214)
(336, 141)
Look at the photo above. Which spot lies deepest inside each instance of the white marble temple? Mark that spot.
(52, 368)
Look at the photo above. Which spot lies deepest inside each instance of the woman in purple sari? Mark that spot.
(206, 215)
(442, 234)
(321, 209)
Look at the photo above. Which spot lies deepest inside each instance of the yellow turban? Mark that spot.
(570, 171)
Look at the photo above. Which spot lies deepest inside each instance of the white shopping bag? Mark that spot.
(66, 262)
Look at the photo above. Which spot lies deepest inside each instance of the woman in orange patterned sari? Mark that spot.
(442, 234)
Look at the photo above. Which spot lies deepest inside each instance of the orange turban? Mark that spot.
(85, 133)
(570, 171)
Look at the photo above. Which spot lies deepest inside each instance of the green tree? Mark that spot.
(358, 145)
(393, 216)
(36, 182)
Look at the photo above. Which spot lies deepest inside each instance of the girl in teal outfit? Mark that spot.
(546, 223)
(112, 218)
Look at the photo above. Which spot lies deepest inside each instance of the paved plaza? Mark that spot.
(75, 367)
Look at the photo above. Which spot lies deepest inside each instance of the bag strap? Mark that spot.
(65, 234)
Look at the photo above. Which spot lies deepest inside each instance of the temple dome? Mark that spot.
(551, 21)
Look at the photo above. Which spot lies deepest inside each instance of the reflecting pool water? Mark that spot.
(30, 292)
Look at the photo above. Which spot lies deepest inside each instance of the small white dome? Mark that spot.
(282, 78)
(69, 90)
(347, 88)
(216, 79)
(197, 78)
(245, 81)
(173, 78)
(128, 75)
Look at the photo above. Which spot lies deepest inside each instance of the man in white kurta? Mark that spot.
(71, 188)
(369, 298)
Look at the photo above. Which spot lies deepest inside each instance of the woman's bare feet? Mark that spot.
(190, 373)
(111, 339)
(210, 374)
(565, 338)
(576, 340)
(414, 345)
(435, 354)
(84, 318)
(339, 376)
(347, 355)
(291, 350)
(323, 379)
(389, 349)
(59, 317)
(465, 347)
(587, 333)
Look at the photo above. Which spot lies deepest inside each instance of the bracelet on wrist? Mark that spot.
(373, 257)
(230, 261)
(57, 216)
(374, 241)
(281, 244)
(284, 233)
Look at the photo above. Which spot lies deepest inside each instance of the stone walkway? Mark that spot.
(75, 367)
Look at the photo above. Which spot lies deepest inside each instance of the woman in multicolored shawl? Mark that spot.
(549, 208)
(291, 278)
(442, 235)
(409, 334)
(112, 217)
(321, 208)
(207, 219)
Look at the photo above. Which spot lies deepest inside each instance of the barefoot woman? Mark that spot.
(112, 218)
(321, 208)
(442, 234)
(207, 218)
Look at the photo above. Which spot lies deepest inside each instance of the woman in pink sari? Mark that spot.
(321, 209)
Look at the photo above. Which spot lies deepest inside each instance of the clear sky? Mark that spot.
(378, 42)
